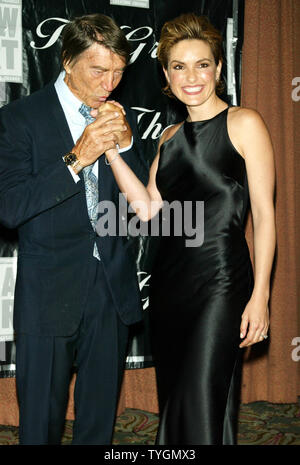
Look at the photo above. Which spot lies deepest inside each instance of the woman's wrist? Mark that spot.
(261, 295)
(111, 155)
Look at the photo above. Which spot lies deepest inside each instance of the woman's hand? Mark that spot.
(123, 137)
(255, 321)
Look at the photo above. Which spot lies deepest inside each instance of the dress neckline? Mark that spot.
(209, 119)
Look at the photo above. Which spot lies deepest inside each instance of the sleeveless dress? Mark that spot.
(198, 293)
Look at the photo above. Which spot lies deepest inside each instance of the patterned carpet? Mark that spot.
(260, 423)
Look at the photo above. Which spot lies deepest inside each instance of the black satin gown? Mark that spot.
(198, 294)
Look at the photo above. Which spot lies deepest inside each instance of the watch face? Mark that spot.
(70, 158)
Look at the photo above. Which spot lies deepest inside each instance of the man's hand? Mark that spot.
(124, 137)
(98, 137)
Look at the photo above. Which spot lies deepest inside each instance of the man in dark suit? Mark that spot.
(76, 291)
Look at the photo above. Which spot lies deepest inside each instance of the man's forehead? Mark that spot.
(99, 53)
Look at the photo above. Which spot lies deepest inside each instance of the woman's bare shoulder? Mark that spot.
(243, 115)
(246, 129)
(169, 132)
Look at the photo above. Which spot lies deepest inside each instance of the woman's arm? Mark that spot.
(145, 201)
(256, 147)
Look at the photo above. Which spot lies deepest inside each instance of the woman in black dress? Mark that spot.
(205, 302)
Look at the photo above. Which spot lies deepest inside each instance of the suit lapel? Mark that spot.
(60, 121)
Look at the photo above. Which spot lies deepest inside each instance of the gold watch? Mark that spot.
(70, 158)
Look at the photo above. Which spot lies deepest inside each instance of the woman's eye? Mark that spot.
(204, 65)
(178, 67)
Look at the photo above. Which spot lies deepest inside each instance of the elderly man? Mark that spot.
(76, 291)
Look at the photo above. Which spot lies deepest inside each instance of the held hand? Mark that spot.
(255, 322)
(114, 102)
(123, 137)
(98, 137)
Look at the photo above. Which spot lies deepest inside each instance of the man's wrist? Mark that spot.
(77, 166)
(127, 146)
(72, 161)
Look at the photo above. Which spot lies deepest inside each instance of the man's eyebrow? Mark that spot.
(106, 69)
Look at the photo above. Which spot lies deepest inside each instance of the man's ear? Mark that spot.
(67, 67)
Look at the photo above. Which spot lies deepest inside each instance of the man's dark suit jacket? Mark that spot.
(39, 197)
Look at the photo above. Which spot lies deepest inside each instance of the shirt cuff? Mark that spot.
(124, 149)
(74, 175)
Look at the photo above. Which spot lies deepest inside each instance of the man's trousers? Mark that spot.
(44, 366)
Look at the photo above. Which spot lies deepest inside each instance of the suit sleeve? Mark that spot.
(25, 191)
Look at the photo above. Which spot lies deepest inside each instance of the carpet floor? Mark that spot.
(260, 423)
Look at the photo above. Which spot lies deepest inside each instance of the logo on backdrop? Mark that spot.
(140, 35)
(154, 128)
(134, 3)
(144, 284)
(8, 270)
(11, 41)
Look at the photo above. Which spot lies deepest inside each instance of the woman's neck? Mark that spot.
(206, 110)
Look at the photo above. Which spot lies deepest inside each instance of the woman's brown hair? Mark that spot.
(189, 26)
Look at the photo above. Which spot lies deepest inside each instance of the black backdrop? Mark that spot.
(140, 89)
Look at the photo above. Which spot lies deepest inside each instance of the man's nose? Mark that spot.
(108, 82)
